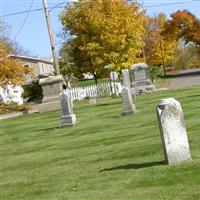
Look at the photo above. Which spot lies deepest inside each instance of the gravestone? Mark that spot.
(173, 132)
(51, 87)
(68, 118)
(128, 106)
(140, 78)
(127, 83)
(126, 78)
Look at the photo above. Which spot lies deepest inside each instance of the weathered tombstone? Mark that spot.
(51, 87)
(140, 78)
(68, 118)
(126, 78)
(173, 132)
(127, 82)
(128, 106)
(133, 93)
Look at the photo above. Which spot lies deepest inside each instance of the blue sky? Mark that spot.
(34, 36)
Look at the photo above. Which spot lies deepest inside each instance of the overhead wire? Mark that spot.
(168, 4)
(37, 9)
(59, 5)
(21, 12)
(68, 3)
(23, 23)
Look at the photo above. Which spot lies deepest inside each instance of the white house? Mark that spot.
(40, 68)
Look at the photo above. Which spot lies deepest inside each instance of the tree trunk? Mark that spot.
(163, 58)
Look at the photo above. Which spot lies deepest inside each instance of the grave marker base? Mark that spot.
(68, 120)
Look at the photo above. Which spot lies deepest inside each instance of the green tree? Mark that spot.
(66, 61)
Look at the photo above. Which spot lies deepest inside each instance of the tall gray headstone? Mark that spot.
(173, 132)
(126, 78)
(128, 106)
(68, 118)
(127, 82)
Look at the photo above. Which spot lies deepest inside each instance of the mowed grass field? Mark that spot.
(103, 157)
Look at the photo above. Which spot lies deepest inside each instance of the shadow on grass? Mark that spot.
(107, 104)
(49, 129)
(114, 117)
(134, 166)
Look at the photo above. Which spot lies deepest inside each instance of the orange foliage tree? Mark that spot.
(159, 50)
(11, 71)
(184, 25)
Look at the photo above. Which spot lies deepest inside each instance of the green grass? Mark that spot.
(103, 157)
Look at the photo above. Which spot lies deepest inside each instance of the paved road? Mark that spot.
(11, 115)
(186, 78)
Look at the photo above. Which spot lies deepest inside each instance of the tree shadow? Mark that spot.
(107, 104)
(48, 129)
(134, 166)
(115, 117)
(103, 104)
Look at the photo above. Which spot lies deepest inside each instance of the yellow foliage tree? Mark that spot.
(11, 71)
(105, 32)
(160, 50)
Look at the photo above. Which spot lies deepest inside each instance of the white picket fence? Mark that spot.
(95, 91)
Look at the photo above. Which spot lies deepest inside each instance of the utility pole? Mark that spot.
(55, 59)
(143, 50)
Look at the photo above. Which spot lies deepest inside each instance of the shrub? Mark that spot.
(32, 91)
(155, 71)
(11, 108)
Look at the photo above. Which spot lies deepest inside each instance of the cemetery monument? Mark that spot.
(68, 118)
(140, 78)
(173, 132)
(51, 87)
(127, 82)
(128, 106)
(125, 78)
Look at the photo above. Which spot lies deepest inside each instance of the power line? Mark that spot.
(37, 9)
(23, 23)
(168, 4)
(59, 6)
(22, 12)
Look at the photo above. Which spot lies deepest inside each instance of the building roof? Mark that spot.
(30, 58)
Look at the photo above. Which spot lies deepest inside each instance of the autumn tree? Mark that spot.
(104, 32)
(159, 49)
(11, 71)
(183, 24)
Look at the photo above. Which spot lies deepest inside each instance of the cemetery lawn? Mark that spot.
(103, 157)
